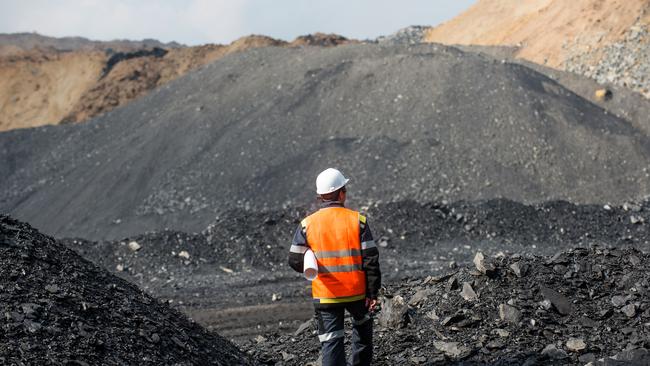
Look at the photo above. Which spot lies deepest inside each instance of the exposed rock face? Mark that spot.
(59, 308)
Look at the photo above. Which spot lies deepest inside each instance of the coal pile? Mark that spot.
(240, 242)
(238, 264)
(411, 236)
(574, 307)
(420, 122)
(57, 308)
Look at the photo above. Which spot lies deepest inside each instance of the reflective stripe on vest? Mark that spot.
(333, 236)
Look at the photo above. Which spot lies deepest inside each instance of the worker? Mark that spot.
(348, 278)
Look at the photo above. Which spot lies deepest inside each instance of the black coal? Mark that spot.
(57, 308)
(409, 234)
(527, 300)
(577, 306)
(239, 262)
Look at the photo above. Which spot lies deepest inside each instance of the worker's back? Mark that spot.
(333, 236)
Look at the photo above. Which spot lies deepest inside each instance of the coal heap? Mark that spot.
(58, 308)
(252, 130)
(408, 232)
(577, 306)
(239, 261)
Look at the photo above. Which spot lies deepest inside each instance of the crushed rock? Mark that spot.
(473, 332)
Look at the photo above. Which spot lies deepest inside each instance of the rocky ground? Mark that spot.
(575, 307)
(408, 233)
(57, 308)
(192, 193)
(233, 278)
(530, 299)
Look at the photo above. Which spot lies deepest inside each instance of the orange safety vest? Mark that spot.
(333, 236)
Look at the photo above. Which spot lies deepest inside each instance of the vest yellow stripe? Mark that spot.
(342, 299)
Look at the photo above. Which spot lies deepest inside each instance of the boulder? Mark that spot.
(394, 313)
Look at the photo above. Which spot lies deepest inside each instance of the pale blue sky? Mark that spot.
(220, 21)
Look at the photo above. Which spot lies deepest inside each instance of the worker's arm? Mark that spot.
(370, 255)
(298, 248)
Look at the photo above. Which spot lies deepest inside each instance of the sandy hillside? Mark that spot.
(556, 32)
(39, 86)
(135, 77)
(48, 85)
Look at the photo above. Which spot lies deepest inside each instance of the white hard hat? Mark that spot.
(329, 180)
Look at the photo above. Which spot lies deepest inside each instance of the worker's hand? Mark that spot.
(371, 304)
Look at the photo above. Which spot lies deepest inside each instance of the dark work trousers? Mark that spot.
(331, 334)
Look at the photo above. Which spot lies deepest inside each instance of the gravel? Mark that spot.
(625, 63)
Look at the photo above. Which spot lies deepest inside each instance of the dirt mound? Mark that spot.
(47, 86)
(136, 76)
(10, 50)
(58, 308)
(625, 63)
(255, 130)
(575, 307)
(574, 35)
